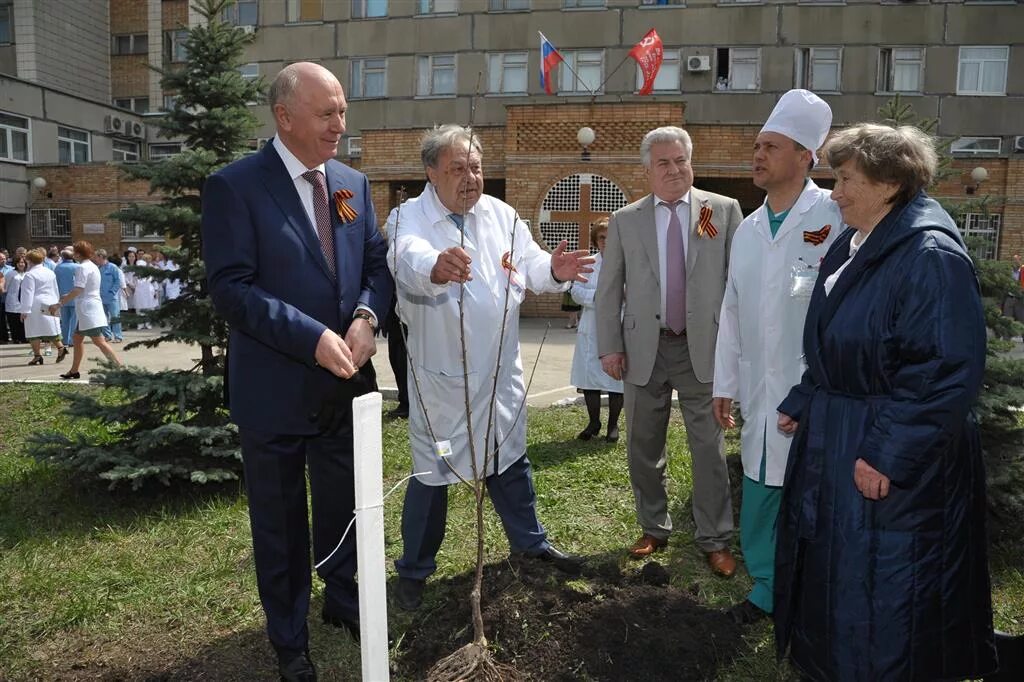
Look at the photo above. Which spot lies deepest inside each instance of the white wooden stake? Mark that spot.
(369, 475)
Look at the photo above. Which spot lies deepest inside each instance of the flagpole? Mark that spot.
(609, 76)
(561, 60)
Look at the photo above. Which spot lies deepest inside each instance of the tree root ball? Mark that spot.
(472, 663)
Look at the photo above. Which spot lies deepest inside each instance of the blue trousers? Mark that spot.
(68, 324)
(425, 514)
(113, 328)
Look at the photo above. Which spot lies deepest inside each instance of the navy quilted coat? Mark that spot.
(896, 589)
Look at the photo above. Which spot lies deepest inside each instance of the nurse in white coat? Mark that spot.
(587, 375)
(759, 354)
(88, 308)
(450, 239)
(38, 293)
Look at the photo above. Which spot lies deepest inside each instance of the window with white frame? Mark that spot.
(574, 4)
(506, 73)
(819, 68)
(6, 22)
(174, 45)
(72, 145)
(169, 102)
(132, 230)
(51, 222)
(369, 78)
(982, 71)
(304, 10)
(130, 43)
(435, 75)
(241, 13)
(249, 72)
(667, 79)
(900, 69)
(140, 105)
(738, 68)
(983, 231)
(589, 68)
(126, 151)
(508, 5)
(437, 6)
(976, 146)
(14, 138)
(369, 9)
(162, 150)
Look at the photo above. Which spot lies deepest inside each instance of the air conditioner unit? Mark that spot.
(135, 129)
(248, 28)
(698, 63)
(114, 124)
(355, 146)
(1018, 144)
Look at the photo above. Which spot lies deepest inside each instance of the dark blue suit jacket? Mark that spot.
(269, 279)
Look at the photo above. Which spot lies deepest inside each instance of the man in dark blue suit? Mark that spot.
(296, 266)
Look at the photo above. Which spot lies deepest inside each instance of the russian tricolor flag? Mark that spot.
(549, 59)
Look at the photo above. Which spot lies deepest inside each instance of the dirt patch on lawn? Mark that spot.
(607, 625)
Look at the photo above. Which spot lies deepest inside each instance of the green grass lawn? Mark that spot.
(99, 585)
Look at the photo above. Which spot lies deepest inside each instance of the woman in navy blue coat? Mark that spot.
(881, 567)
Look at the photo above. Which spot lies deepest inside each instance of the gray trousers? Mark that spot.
(648, 409)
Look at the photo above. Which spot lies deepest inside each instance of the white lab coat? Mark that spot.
(38, 293)
(172, 287)
(759, 354)
(435, 350)
(88, 305)
(145, 296)
(587, 373)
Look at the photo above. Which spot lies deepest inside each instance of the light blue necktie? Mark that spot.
(459, 220)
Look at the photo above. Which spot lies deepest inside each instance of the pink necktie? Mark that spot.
(675, 272)
(322, 211)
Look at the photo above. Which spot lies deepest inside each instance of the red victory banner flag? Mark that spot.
(648, 54)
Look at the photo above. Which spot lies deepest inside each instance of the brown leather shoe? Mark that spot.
(722, 562)
(646, 546)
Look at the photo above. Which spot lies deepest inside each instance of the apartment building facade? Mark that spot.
(408, 64)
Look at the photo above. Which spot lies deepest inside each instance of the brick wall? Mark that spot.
(129, 77)
(128, 16)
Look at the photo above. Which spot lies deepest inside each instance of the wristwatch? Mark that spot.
(364, 315)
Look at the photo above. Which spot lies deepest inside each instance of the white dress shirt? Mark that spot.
(855, 243)
(661, 218)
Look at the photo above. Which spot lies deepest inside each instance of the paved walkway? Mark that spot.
(550, 382)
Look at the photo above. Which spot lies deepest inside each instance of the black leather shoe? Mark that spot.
(613, 435)
(37, 360)
(746, 613)
(297, 669)
(566, 563)
(593, 428)
(339, 621)
(409, 593)
(71, 375)
(400, 412)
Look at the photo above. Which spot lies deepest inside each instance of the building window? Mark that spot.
(249, 72)
(51, 222)
(900, 69)
(819, 68)
(163, 150)
(982, 71)
(170, 101)
(132, 43)
(667, 79)
(72, 145)
(437, 6)
(589, 68)
(369, 78)
(355, 146)
(241, 13)
(140, 105)
(14, 137)
(666, 3)
(573, 205)
(5, 24)
(174, 45)
(576, 4)
(304, 10)
(126, 151)
(976, 146)
(508, 5)
(436, 75)
(506, 73)
(136, 230)
(369, 9)
(983, 231)
(738, 68)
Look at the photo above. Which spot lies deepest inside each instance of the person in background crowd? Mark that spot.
(88, 309)
(122, 296)
(38, 295)
(52, 258)
(111, 284)
(171, 285)
(131, 257)
(586, 374)
(65, 274)
(1013, 306)
(758, 357)
(5, 270)
(12, 302)
(146, 291)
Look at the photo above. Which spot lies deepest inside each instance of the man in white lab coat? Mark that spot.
(454, 237)
(759, 354)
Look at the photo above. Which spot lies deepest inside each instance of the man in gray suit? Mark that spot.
(666, 258)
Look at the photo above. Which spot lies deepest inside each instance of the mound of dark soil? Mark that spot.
(603, 626)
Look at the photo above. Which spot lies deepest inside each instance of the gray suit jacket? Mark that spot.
(630, 273)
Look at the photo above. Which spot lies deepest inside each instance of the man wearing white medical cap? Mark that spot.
(759, 354)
